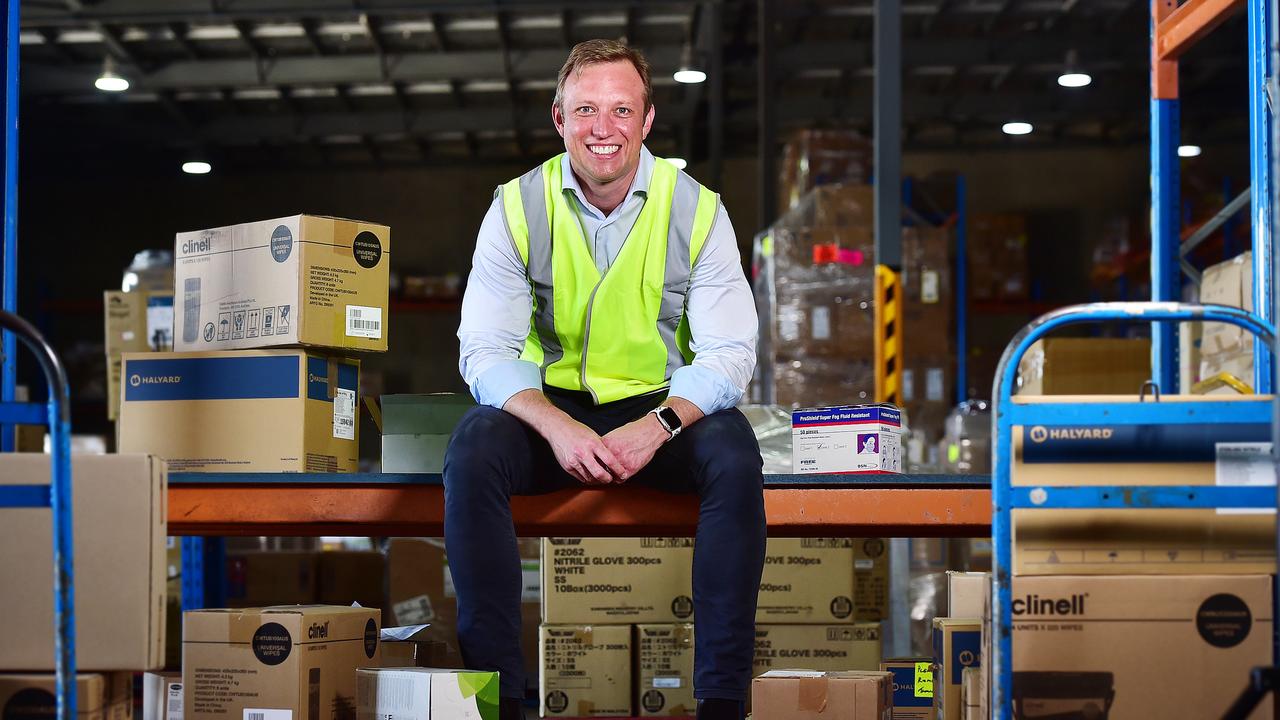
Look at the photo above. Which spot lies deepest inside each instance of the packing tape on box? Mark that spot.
(813, 695)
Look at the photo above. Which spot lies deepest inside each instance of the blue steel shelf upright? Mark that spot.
(55, 413)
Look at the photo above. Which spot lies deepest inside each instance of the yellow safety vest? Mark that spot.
(621, 334)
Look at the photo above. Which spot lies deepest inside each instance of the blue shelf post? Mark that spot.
(9, 263)
(1261, 182)
(1165, 238)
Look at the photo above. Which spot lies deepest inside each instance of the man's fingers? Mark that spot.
(609, 460)
(593, 468)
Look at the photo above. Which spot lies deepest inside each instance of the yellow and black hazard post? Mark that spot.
(888, 338)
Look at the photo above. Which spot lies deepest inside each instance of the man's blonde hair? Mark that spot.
(591, 52)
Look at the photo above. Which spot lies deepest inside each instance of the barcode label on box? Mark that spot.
(666, 682)
(365, 322)
(267, 714)
(344, 414)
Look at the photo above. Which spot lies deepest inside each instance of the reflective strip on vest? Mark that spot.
(622, 334)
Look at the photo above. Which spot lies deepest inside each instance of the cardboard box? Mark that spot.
(965, 591)
(847, 439)
(135, 322)
(912, 687)
(161, 695)
(617, 580)
(275, 577)
(347, 576)
(426, 694)
(970, 687)
(803, 695)
(870, 579)
(664, 670)
(586, 670)
(300, 280)
(119, 509)
(416, 430)
(957, 644)
(1227, 283)
(1123, 542)
(1138, 646)
(813, 381)
(806, 580)
(817, 647)
(299, 660)
(106, 696)
(255, 411)
(1080, 366)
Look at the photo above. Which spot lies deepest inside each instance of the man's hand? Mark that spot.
(635, 443)
(578, 449)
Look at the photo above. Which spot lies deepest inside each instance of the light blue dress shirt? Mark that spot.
(498, 303)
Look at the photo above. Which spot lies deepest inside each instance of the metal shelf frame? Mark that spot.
(1174, 30)
(1009, 415)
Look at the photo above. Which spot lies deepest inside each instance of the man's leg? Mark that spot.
(720, 458)
(491, 456)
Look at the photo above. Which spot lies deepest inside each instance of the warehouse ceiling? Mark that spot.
(287, 83)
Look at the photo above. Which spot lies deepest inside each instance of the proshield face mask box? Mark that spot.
(847, 439)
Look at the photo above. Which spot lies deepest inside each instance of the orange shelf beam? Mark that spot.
(1192, 20)
(418, 510)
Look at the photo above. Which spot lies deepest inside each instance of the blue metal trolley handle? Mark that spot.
(58, 418)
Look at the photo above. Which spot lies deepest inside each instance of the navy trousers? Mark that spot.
(493, 456)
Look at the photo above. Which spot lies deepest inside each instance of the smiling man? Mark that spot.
(608, 333)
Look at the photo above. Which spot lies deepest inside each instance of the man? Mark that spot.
(607, 333)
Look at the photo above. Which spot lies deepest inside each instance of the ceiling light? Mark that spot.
(110, 80)
(680, 163)
(1188, 151)
(690, 72)
(196, 167)
(1074, 79)
(1016, 128)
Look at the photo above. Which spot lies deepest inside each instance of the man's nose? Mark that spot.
(603, 125)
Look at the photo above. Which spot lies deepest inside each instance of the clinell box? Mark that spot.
(806, 580)
(912, 687)
(300, 280)
(291, 662)
(426, 694)
(847, 439)
(617, 580)
(586, 670)
(246, 411)
(664, 670)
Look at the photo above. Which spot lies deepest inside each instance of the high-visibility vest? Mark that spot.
(623, 333)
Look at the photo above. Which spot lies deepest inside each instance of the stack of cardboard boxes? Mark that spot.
(1225, 349)
(997, 246)
(266, 315)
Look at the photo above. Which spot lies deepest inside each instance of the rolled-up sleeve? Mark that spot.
(495, 317)
(722, 324)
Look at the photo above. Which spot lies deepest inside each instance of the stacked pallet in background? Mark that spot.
(1225, 350)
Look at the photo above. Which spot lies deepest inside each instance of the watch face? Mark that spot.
(670, 417)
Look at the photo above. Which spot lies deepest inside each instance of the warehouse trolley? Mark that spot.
(56, 414)
(1040, 418)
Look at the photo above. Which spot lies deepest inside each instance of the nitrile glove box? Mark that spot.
(847, 439)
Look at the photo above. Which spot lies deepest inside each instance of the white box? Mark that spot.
(426, 694)
(847, 439)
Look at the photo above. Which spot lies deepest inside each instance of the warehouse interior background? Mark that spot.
(410, 116)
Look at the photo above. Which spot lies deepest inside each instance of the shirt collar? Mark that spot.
(639, 184)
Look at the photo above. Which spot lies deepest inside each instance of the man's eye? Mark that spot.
(586, 110)
(623, 111)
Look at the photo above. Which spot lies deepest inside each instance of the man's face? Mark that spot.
(603, 120)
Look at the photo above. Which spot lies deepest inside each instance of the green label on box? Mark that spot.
(924, 680)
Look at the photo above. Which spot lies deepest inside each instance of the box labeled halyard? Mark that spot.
(817, 647)
(291, 662)
(912, 687)
(847, 439)
(806, 580)
(617, 580)
(586, 670)
(664, 670)
(246, 411)
(299, 280)
(426, 694)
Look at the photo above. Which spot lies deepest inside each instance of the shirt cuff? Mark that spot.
(495, 386)
(708, 389)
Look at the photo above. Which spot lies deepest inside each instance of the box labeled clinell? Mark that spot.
(957, 644)
(617, 580)
(912, 687)
(298, 280)
(586, 670)
(292, 662)
(834, 695)
(245, 411)
(99, 696)
(426, 694)
(664, 670)
(806, 580)
(817, 647)
(847, 439)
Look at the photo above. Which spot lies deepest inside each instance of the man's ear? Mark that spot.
(557, 118)
(648, 122)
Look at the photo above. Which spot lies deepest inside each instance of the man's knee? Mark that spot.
(480, 446)
(727, 453)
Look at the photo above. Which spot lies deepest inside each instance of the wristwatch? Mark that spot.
(669, 419)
